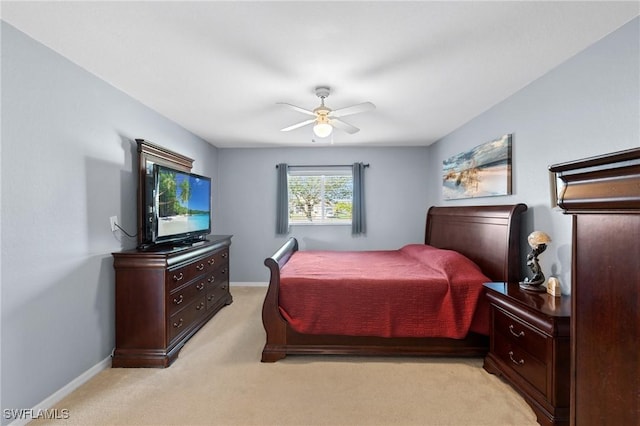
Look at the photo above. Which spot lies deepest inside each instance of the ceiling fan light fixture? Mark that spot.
(326, 118)
(322, 130)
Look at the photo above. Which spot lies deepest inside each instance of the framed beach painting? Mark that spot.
(484, 171)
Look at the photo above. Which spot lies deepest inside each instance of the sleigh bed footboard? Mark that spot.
(274, 325)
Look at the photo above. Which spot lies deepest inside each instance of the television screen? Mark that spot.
(182, 205)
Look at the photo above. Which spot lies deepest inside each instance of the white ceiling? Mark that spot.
(218, 68)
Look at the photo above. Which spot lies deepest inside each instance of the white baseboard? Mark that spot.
(62, 393)
(248, 284)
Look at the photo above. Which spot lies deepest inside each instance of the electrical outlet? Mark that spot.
(113, 220)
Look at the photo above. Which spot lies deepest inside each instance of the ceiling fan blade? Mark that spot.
(339, 124)
(302, 110)
(354, 109)
(297, 126)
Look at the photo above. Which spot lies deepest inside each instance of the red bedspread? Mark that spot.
(416, 291)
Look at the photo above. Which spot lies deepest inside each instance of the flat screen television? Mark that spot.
(181, 206)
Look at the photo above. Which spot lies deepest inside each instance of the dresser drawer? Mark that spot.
(217, 293)
(217, 276)
(182, 320)
(522, 362)
(185, 295)
(217, 259)
(178, 276)
(519, 333)
(217, 286)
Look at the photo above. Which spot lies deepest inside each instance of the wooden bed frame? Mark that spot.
(488, 235)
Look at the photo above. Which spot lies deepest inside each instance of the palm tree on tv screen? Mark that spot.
(170, 201)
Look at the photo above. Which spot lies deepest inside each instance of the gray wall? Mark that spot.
(68, 163)
(395, 196)
(589, 105)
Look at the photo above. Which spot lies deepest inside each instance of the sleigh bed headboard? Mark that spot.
(488, 235)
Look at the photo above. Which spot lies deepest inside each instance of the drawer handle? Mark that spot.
(211, 279)
(224, 271)
(211, 261)
(178, 277)
(200, 306)
(521, 362)
(224, 287)
(518, 334)
(224, 255)
(178, 300)
(200, 286)
(211, 297)
(200, 267)
(178, 324)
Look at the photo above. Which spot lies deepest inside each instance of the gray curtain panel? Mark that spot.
(358, 222)
(282, 202)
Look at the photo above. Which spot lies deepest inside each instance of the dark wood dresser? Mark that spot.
(530, 348)
(164, 296)
(603, 195)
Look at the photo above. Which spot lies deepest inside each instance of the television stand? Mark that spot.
(164, 295)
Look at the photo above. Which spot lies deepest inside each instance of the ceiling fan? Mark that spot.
(325, 118)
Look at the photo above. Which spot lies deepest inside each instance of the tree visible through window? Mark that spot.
(320, 195)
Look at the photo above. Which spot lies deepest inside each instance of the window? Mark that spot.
(320, 195)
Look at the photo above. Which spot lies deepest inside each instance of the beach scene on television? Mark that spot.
(183, 203)
(484, 171)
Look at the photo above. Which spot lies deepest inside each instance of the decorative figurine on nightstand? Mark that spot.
(553, 287)
(538, 241)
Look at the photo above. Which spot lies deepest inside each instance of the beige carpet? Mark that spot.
(218, 379)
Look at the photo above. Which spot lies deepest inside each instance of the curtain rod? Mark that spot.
(327, 165)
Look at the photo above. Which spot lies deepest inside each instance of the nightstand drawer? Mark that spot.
(519, 334)
(530, 348)
(521, 361)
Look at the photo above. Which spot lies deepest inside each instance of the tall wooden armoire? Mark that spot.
(603, 195)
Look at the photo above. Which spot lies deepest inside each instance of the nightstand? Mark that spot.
(530, 348)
